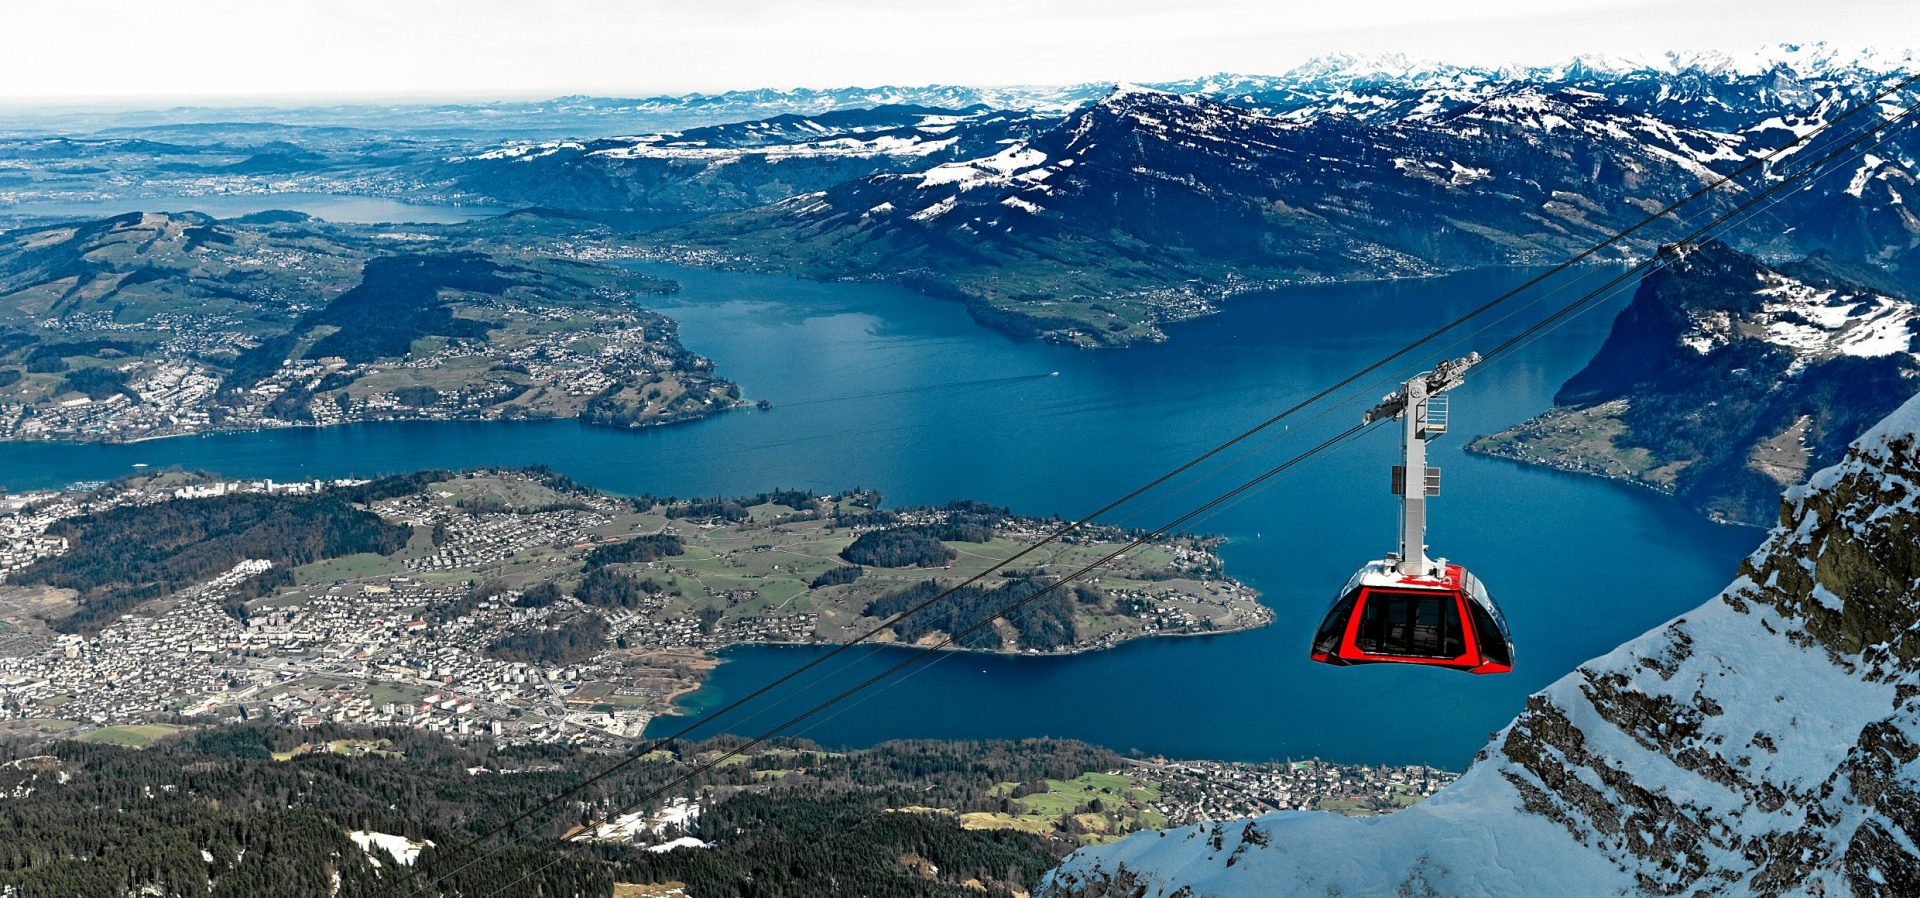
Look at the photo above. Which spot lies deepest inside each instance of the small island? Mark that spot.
(518, 604)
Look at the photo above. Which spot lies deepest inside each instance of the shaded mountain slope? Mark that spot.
(1726, 380)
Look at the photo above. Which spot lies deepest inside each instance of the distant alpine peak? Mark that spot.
(1799, 59)
(1125, 94)
(1370, 67)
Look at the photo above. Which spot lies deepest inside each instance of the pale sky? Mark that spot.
(151, 51)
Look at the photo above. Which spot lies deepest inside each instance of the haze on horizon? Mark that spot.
(139, 53)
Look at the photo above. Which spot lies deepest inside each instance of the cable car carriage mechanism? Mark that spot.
(1407, 608)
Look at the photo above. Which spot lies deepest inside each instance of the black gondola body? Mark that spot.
(1407, 608)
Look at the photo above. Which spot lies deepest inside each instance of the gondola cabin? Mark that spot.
(1384, 616)
(1408, 608)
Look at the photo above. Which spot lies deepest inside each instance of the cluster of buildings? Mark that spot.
(173, 390)
(351, 652)
(473, 541)
(549, 369)
(355, 654)
(415, 641)
(389, 650)
(1197, 791)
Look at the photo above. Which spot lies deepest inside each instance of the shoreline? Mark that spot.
(1564, 467)
(224, 431)
(719, 654)
(990, 317)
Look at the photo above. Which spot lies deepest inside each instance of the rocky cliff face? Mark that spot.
(1767, 743)
(1727, 379)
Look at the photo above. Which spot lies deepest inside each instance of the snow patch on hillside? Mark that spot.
(399, 848)
(1815, 323)
(677, 816)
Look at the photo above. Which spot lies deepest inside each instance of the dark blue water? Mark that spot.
(873, 386)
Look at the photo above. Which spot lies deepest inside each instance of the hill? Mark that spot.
(1726, 380)
(158, 324)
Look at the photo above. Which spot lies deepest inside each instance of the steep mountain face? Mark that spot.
(1767, 743)
(1726, 380)
(1147, 207)
(730, 166)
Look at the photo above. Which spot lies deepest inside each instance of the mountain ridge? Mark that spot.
(1147, 207)
(1726, 379)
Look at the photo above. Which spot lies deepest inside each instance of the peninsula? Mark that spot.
(518, 604)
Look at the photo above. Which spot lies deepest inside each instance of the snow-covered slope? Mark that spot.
(1727, 379)
(1766, 743)
(731, 165)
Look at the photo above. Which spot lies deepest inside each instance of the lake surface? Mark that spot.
(877, 387)
(329, 206)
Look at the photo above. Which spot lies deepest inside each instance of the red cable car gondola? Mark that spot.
(1407, 608)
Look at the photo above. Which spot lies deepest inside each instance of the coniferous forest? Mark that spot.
(212, 813)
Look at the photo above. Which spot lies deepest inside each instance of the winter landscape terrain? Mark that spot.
(378, 595)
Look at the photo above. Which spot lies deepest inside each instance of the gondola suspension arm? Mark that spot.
(1420, 404)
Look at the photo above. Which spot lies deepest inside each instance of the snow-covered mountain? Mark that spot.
(1148, 206)
(1766, 743)
(1727, 379)
(730, 166)
(1151, 206)
(1705, 89)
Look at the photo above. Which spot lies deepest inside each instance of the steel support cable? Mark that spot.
(1059, 533)
(940, 646)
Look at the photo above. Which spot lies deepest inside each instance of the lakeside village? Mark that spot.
(366, 653)
(544, 370)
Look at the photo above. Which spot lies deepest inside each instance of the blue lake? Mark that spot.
(874, 386)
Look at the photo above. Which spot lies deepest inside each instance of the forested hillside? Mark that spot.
(213, 813)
